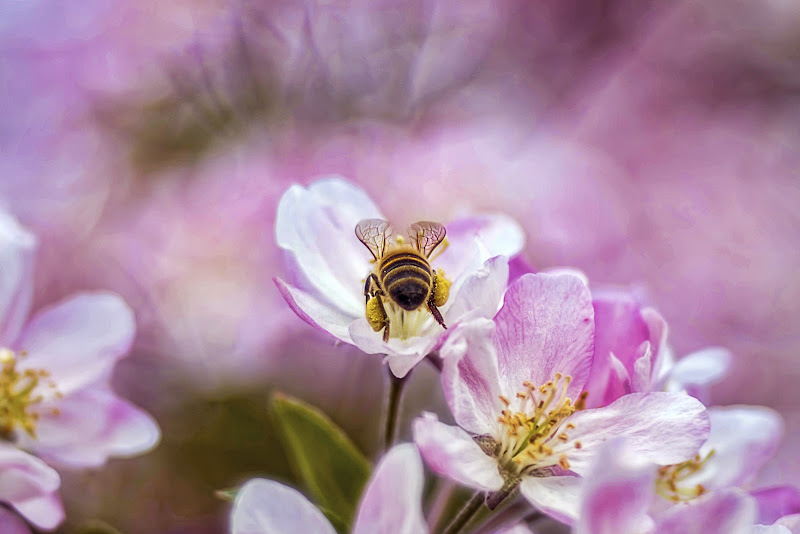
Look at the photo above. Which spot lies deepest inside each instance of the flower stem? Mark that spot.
(392, 409)
(466, 514)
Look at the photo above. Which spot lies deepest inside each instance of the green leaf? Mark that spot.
(330, 466)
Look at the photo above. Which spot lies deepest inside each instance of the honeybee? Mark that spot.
(403, 287)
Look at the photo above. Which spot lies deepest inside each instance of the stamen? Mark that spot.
(17, 395)
(670, 477)
(538, 419)
(563, 462)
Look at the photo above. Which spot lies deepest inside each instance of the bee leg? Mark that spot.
(433, 308)
(386, 332)
(372, 281)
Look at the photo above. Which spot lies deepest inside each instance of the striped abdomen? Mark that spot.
(406, 278)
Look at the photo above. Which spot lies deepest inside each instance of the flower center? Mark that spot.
(18, 395)
(532, 422)
(671, 476)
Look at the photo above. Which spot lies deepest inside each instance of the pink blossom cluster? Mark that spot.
(565, 398)
(147, 149)
(58, 409)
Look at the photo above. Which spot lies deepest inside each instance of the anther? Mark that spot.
(563, 462)
(581, 404)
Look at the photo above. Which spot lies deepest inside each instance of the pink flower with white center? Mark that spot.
(515, 388)
(632, 354)
(391, 503)
(620, 497)
(316, 225)
(55, 395)
(741, 441)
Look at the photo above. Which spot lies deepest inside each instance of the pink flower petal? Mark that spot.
(660, 352)
(268, 507)
(470, 378)
(317, 313)
(546, 325)
(17, 248)
(665, 428)
(44, 511)
(79, 340)
(743, 439)
(317, 225)
(620, 330)
(775, 502)
(30, 486)
(92, 426)
(729, 511)
(616, 493)
(392, 500)
(451, 452)
(10, 523)
(556, 496)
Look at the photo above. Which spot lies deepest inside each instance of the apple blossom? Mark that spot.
(56, 401)
(510, 384)
(315, 225)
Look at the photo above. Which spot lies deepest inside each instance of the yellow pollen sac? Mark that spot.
(376, 315)
(17, 395)
(668, 483)
(533, 421)
(441, 289)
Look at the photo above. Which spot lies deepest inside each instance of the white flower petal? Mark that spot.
(401, 354)
(557, 496)
(665, 428)
(318, 314)
(475, 239)
(79, 340)
(743, 439)
(729, 511)
(30, 486)
(317, 225)
(481, 294)
(470, 378)
(392, 500)
(268, 507)
(91, 426)
(695, 372)
(451, 452)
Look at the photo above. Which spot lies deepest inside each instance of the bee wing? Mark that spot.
(376, 234)
(426, 235)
